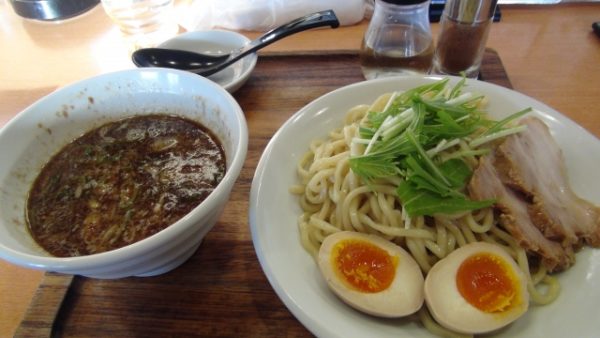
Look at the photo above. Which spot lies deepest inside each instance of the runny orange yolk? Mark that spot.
(487, 282)
(365, 266)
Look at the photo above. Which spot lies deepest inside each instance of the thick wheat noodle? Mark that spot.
(350, 203)
(305, 239)
(349, 218)
(334, 199)
(329, 162)
(307, 206)
(441, 240)
(417, 250)
(325, 210)
(316, 188)
(435, 249)
(435, 328)
(340, 170)
(395, 232)
(322, 225)
(468, 233)
(485, 226)
(375, 209)
(302, 172)
(453, 229)
(386, 203)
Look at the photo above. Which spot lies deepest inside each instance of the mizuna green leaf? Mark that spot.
(424, 136)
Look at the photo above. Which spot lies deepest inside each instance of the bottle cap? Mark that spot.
(470, 11)
(51, 10)
(405, 2)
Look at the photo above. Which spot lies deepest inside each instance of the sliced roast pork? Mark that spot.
(486, 183)
(532, 163)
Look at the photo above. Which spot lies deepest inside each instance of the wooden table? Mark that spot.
(549, 53)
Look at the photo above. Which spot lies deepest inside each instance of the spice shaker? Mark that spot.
(464, 29)
(398, 39)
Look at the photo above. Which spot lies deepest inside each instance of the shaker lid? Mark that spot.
(469, 11)
(51, 10)
(404, 2)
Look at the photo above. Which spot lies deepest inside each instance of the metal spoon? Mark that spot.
(206, 65)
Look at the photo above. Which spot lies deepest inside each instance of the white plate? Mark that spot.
(218, 42)
(295, 276)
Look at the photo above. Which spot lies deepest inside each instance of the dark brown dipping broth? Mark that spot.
(122, 182)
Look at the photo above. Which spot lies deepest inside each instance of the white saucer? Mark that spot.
(218, 42)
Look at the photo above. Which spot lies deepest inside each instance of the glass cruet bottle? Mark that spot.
(398, 40)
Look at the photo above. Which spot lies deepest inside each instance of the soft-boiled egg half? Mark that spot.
(477, 288)
(371, 274)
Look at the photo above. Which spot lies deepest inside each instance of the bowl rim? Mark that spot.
(53, 263)
(248, 62)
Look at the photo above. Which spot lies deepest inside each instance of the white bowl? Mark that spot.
(29, 139)
(217, 42)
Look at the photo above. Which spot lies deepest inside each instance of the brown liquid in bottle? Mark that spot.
(460, 47)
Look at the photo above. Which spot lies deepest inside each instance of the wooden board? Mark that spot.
(221, 291)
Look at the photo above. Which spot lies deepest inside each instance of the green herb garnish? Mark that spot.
(417, 138)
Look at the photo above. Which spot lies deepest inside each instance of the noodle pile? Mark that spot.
(334, 199)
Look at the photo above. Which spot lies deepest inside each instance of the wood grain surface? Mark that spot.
(221, 291)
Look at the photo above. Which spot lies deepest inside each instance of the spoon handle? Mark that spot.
(314, 20)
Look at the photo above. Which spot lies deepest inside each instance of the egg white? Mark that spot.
(451, 310)
(403, 297)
